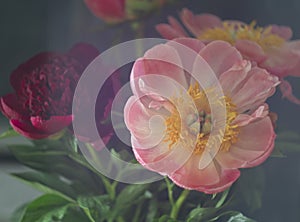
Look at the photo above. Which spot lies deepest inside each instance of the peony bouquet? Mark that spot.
(171, 128)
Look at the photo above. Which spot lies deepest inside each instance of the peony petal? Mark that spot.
(284, 32)
(176, 25)
(283, 61)
(255, 142)
(245, 119)
(294, 47)
(221, 56)
(147, 127)
(234, 78)
(167, 31)
(191, 43)
(190, 176)
(228, 177)
(53, 125)
(256, 136)
(210, 180)
(251, 50)
(27, 130)
(161, 60)
(196, 24)
(259, 86)
(287, 92)
(189, 49)
(162, 158)
(136, 117)
(11, 108)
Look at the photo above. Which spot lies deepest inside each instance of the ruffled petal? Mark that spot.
(259, 86)
(146, 127)
(233, 79)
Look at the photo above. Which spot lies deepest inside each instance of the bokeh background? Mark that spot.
(32, 26)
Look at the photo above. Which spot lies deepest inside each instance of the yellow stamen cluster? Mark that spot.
(203, 120)
(231, 32)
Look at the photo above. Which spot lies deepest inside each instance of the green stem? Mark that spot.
(109, 187)
(170, 191)
(138, 28)
(176, 207)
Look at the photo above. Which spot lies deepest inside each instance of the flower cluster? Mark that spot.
(195, 113)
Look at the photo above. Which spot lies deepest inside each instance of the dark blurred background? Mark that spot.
(31, 26)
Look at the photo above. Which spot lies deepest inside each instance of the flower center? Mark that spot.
(200, 124)
(231, 32)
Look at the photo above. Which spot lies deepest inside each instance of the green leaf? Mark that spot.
(202, 214)
(129, 196)
(54, 161)
(213, 214)
(8, 134)
(47, 183)
(96, 208)
(234, 216)
(75, 214)
(47, 208)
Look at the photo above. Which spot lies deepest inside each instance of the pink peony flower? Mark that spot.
(170, 134)
(269, 47)
(44, 86)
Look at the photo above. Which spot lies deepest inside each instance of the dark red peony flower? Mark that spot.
(44, 86)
